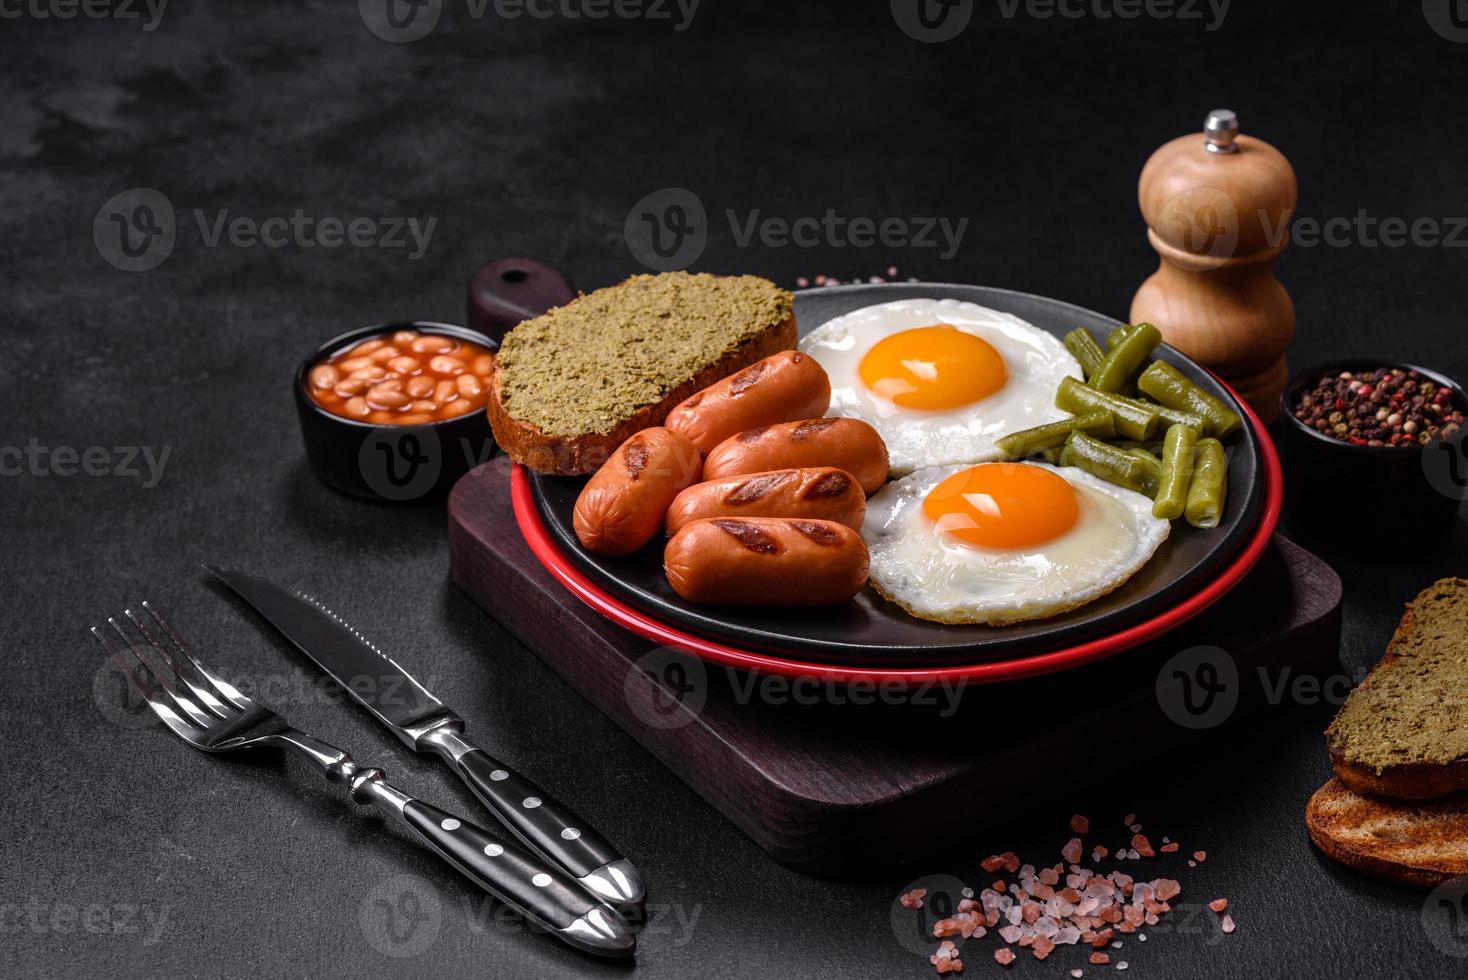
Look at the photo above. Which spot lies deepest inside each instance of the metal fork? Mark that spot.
(210, 714)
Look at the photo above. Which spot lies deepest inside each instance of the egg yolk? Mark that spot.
(932, 368)
(1003, 505)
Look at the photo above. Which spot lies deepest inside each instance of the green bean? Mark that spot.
(1176, 416)
(1125, 359)
(1134, 419)
(1178, 451)
(1167, 385)
(1210, 485)
(1084, 349)
(1153, 448)
(1109, 463)
(1154, 468)
(1119, 334)
(1102, 425)
(1028, 442)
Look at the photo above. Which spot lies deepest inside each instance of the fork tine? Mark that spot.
(224, 687)
(180, 673)
(191, 710)
(142, 678)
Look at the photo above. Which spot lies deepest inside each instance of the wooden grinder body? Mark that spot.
(1218, 221)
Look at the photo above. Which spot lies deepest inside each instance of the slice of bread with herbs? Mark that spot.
(1404, 732)
(572, 384)
(1422, 843)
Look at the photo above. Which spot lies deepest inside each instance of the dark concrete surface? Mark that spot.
(125, 854)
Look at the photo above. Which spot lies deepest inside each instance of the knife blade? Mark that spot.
(412, 713)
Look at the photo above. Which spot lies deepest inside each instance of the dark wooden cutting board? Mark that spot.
(818, 778)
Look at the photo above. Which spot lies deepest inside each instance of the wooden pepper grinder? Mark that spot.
(1218, 208)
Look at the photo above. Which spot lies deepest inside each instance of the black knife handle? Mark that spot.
(542, 823)
(543, 893)
(501, 868)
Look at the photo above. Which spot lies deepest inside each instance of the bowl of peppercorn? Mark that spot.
(1373, 455)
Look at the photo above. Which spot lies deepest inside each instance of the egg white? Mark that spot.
(1036, 362)
(937, 577)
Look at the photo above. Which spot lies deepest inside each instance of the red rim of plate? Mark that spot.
(543, 546)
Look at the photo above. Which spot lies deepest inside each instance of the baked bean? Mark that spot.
(379, 382)
(432, 345)
(325, 376)
(454, 409)
(388, 398)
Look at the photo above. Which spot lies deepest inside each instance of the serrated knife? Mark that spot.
(375, 681)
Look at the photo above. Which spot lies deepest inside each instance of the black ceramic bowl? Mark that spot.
(396, 463)
(1368, 498)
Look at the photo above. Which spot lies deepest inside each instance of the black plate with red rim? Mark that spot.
(1191, 569)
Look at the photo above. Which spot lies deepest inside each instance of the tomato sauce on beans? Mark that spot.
(403, 378)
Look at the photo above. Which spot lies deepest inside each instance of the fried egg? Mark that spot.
(999, 543)
(940, 379)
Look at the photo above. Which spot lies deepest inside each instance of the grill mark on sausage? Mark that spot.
(747, 378)
(759, 487)
(821, 534)
(635, 456)
(796, 357)
(694, 401)
(810, 427)
(752, 435)
(831, 485)
(750, 536)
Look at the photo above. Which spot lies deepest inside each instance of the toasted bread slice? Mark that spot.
(1413, 843)
(573, 384)
(1404, 732)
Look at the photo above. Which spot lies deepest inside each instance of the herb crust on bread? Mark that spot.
(571, 385)
(1404, 731)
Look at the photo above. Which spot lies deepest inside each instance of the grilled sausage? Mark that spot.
(621, 508)
(848, 444)
(784, 387)
(767, 561)
(821, 493)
